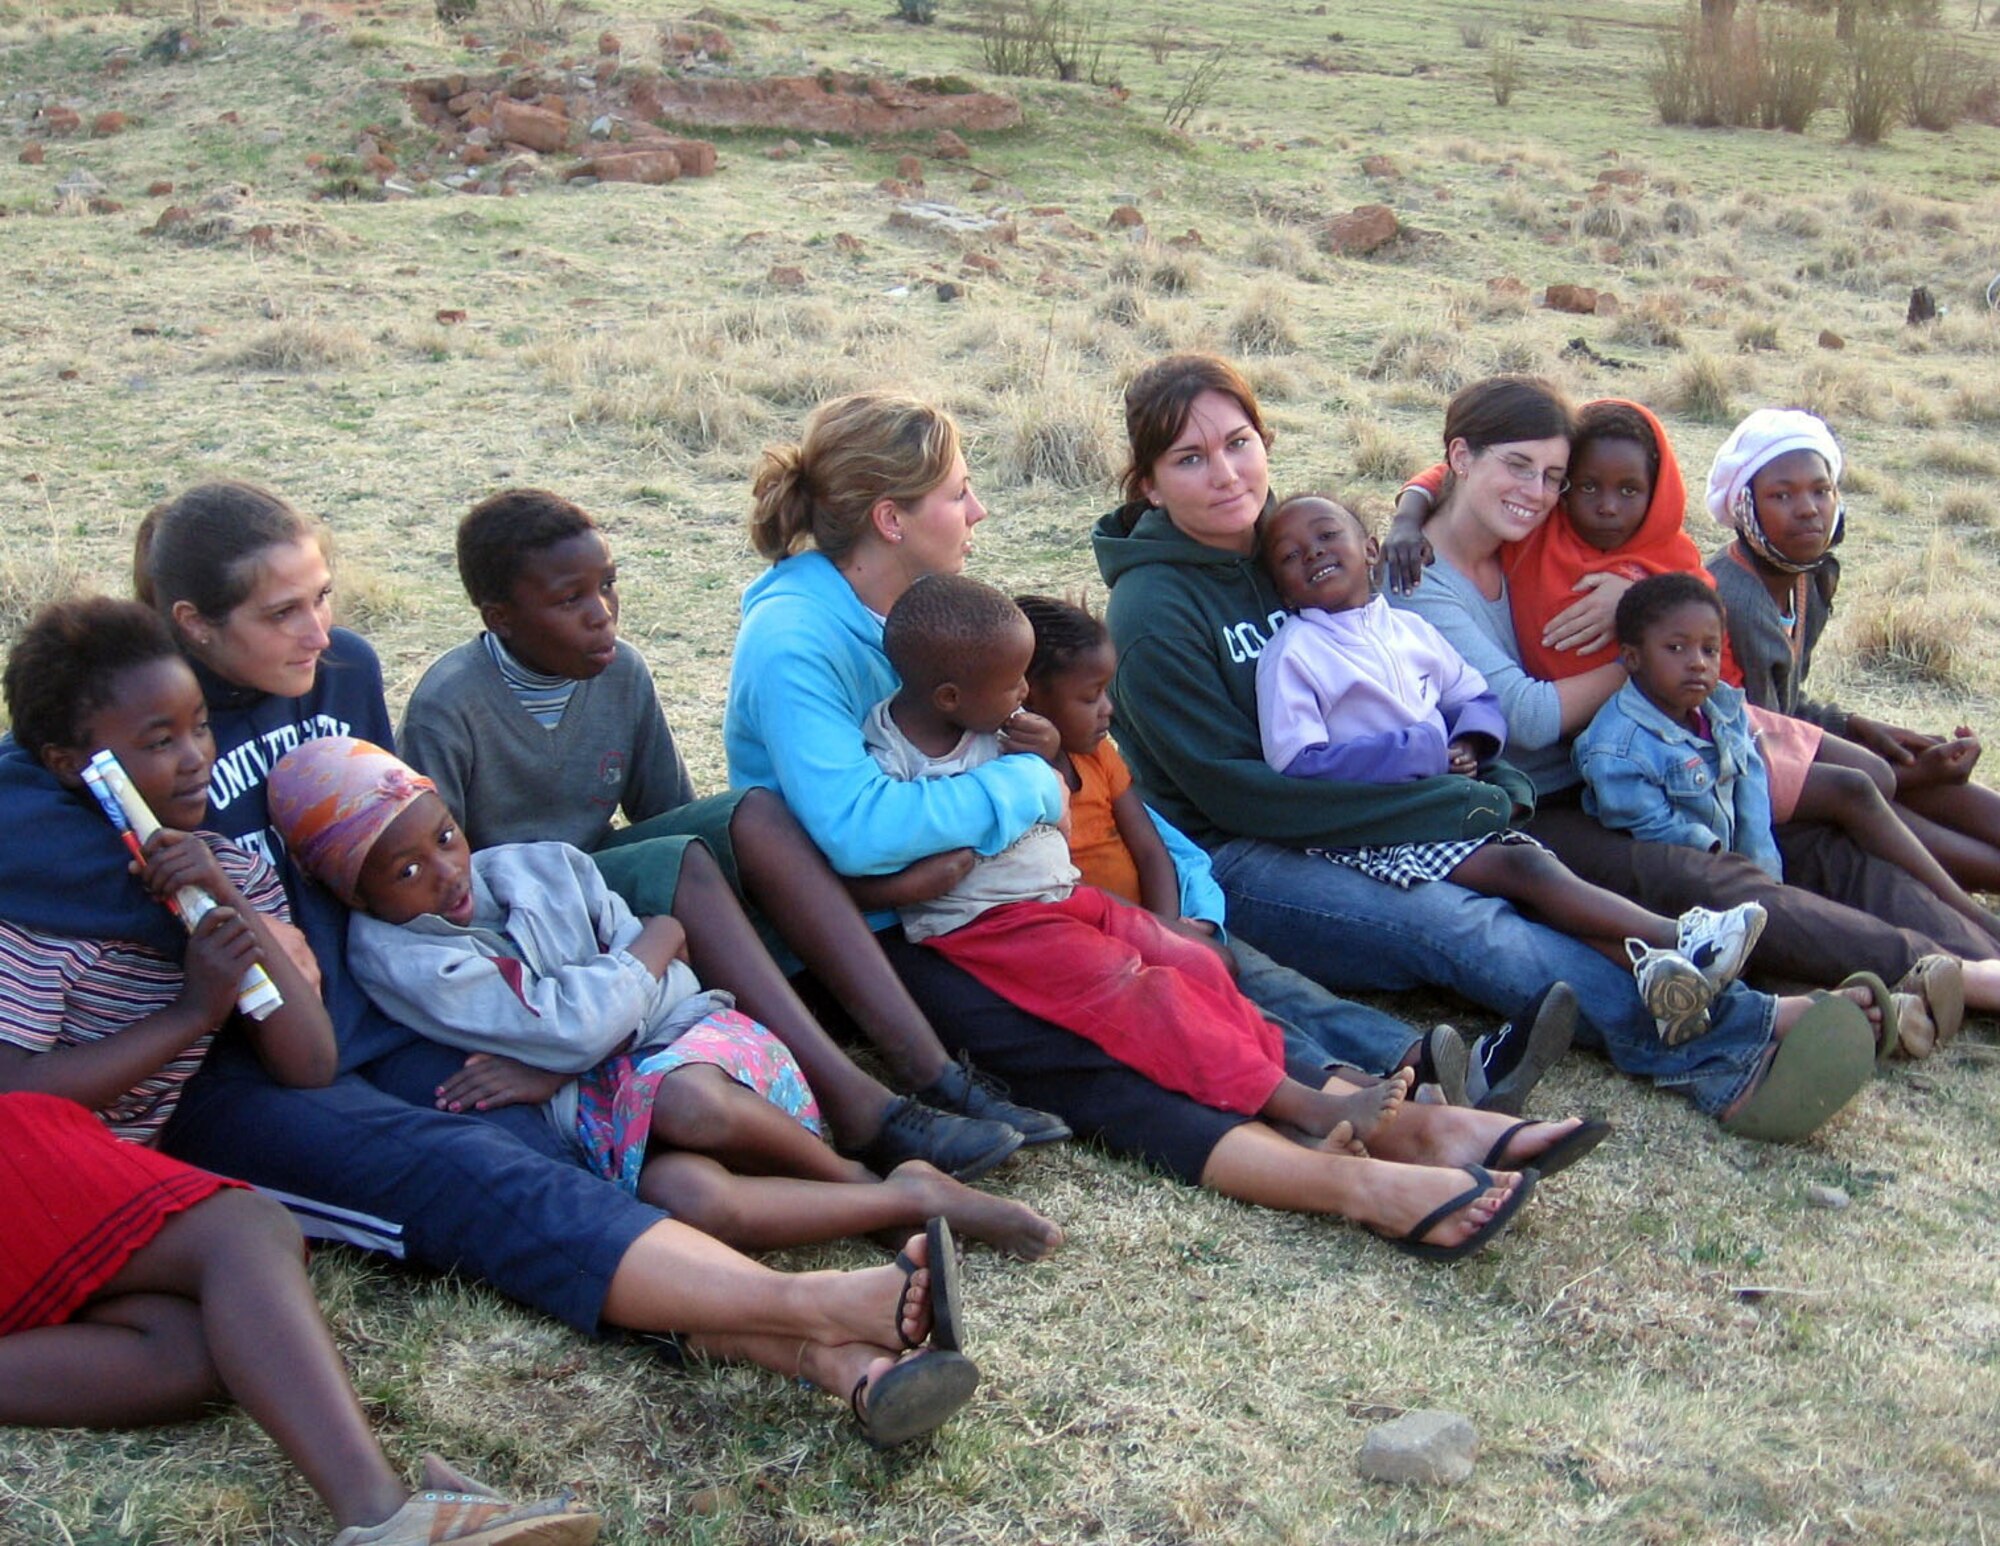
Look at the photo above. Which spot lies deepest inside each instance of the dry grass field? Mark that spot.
(1675, 1344)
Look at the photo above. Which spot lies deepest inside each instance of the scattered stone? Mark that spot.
(104, 125)
(1608, 305)
(1429, 1448)
(784, 276)
(104, 206)
(1187, 239)
(608, 43)
(982, 263)
(600, 127)
(709, 1501)
(1506, 288)
(1362, 230)
(159, 190)
(1047, 209)
(832, 102)
(59, 120)
(950, 290)
(1580, 299)
(68, 375)
(1923, 307)
(1379, 166)
(171, 216)
(950, 147)
(944, 217)
(79, 184)
(1828, 339)
(632, 166)
(450, 316)
(711, 41)
(32, 153)
(1125, 217)
(697, 157)
(534, 127)
(894, 187)
(232, 116)
(910, 169)
(980, 184)
(846, 241)
(1579, 349)
(1831, 1197)
(784, 150)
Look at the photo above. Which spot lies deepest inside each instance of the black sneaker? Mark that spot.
(964, 1148)
(1507, 1065)
(964, 1091)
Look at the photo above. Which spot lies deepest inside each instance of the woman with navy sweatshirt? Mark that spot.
(874, 497)
(243, 581)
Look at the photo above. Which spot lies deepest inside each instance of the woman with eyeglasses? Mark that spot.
(1192, 610)
(1507, 443)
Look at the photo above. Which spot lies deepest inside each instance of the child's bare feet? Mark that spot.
(1013, 1227)
(1791, 1010)
(1363, 1110)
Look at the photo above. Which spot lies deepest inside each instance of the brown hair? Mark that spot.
(855, 451)
(203, 547)
(1507, 408)
(1157, 401)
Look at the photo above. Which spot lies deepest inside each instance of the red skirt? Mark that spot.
(75, 1205)
(1789, 747)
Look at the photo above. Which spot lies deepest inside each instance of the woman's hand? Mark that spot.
(1406, 553)
(1025, 732)
(176, 859)
(218, 955)
(1586, 623)
(488, 1081)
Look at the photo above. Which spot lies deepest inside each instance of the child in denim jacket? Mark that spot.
(1671, 758)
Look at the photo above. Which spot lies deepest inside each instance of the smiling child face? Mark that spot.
(1318, 555)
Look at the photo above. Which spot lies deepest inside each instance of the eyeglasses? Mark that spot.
(1521, 470)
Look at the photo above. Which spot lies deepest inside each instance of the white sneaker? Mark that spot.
(1720, 943)
(1675, 992)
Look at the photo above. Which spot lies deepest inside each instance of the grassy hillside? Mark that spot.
(1187, 1370)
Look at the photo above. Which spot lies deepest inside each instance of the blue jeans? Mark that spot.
(1319, 1028)
(1347, 931)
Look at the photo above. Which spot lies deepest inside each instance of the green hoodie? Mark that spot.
(1189, 622)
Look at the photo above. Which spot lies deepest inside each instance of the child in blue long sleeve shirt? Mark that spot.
(1671, 758)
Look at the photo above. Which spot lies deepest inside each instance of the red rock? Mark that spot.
(68, 375)
(1714, 284)
(711, 41)
(232, 116)
(833, 102)
(59, 120)
(1362, 230)
(786, 277)
(32, 153)
(981, 263)
(450, 316)
(846, 241)
(465, 102)
(159, 190)
(784, 150)
(262, 236)
(608, 43)
(697, 157)
(894, 188)
(552, 103)
(1125, 217)
(1506, 288)
(1579, 299)
(1047, 209)
(379, 166)
(104, 125)
(910, 169)
(630, 166)
(950, 146)
(171, 216)
(474, 155)
(534, 127)
(1188, 238)
(1828, 339)
(1608, 305)
(1378, 166)
(980, 184)
(103, 206)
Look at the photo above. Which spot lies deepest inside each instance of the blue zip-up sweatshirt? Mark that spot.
(809, 666)
(62, 872)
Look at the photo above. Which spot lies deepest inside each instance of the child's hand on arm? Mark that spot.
(1026, 732)
(661, 942)
(1406, 552)
(488, 1081)
(1894, 744)
(925, 881)
(1942, 762)
(1461, 757)
(222, 949)
(176, 859)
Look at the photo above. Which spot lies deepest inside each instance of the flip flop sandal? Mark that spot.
(1560, 1155)
(1821, 1064)
(1939, 982)
(1890, 1033)
(946, 1285)
(1413, 1243)
(916, 1397)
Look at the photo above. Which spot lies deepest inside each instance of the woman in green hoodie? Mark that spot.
(1191, 610)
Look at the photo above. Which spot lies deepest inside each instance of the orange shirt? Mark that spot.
(1094, 844)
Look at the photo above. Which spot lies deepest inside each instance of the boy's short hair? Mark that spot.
(1268, 523)
(1652, 598)
(60, 670)
(942, 629)
(500, 533)
(1611, 419)
(1064, 633)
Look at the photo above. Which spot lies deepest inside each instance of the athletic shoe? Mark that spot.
(1443, 1063)
(1719, 944)
(964, 1091)
(1676, 993)
(964, 1148)
(1507, 1065)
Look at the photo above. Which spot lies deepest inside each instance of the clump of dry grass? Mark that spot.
(1423, 352)
(1123, 305)
(1960, 458)
(1378, 452)
(1280, 247)
(1613, 220)
(1799, 219)
(1976, 405)
(1915, 638)
(1680, 218)
(1759, 334)
(1060, 433)
(1836, 390)
(1968, 507)
(31, 579)
(1704, 387)
(1262, 322)
(300, 344)
(1655, 322)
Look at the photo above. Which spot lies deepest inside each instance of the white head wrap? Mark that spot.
(1753, 445)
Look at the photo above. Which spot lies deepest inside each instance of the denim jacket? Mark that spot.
(1658, 780)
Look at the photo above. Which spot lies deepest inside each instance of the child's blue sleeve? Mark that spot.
(1201, 897)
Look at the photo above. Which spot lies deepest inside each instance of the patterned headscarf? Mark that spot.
(332, 798)
(1751, 447)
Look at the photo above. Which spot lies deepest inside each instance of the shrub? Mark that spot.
(1503, 72)
(1192, 91)
(1877, 69)
(1053, 38)
(1475, 31)
(1938, 85)
(922, 12)
(1796, 62)
(1582, 34)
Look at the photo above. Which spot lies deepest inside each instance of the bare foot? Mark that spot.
(1013, 1227)
(861, 1306)
(1362, 1110)
(1459, 1135)
(1791, 1010)
(1399, 1197)
(1340, 1141)
(839, 1369)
